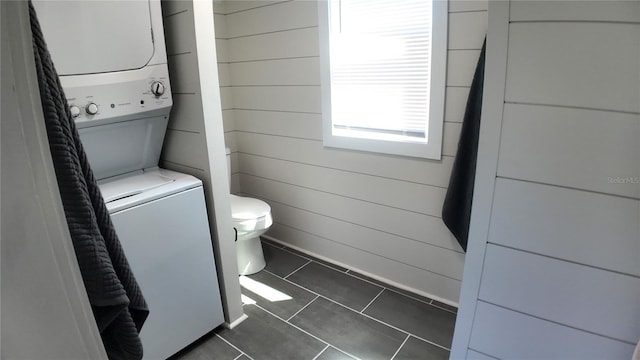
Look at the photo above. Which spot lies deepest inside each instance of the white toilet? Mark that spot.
(251, 218)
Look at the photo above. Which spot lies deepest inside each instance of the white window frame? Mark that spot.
(432, 149)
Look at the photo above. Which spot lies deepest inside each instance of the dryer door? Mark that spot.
(88, 37)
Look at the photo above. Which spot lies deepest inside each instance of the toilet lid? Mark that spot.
(244, 208)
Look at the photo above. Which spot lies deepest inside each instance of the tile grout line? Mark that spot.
(304, 307)
(349, 272)
(321, 351)
(365, 315)
(401, 345)
(313, 259)
(372, 300)
(355, 275)
(304, 256)
(268, 242)
(342, 351)
(294, 271)
(233, 346)
(441, 308)
(399, 329)
(301, 329)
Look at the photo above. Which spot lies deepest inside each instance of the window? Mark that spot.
(383, 69)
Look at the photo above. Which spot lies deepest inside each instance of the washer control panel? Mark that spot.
(116, 95)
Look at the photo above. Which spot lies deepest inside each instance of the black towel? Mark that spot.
(116, 300)
(456, 211)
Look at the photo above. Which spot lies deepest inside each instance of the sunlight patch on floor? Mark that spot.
(263, 290)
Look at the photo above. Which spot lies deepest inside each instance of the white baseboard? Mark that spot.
(236, 322)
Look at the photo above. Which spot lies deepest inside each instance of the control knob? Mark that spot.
(157, 88)
(91, 108)
(75, 111)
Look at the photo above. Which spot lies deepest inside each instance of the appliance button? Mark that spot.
(75, 111)
(92, 108)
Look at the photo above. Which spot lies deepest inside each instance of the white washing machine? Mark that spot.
(112, 63)
(160, 217)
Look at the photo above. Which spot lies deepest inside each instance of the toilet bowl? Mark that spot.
(250, 218)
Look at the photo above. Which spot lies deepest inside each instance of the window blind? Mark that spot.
(380, 60)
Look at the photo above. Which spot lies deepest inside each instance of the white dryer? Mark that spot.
(112, 63)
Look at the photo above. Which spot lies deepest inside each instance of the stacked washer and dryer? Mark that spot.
(112, 64)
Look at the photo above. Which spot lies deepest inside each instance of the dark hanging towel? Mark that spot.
(116, 300)
(456, 211)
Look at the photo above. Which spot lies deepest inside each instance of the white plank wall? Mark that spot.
(577, 153)
(508, 334)
(581, 75)
(525, 216)
(374, 213)
(563, 292)
(555, 269)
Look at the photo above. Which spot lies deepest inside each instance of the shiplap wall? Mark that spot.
(375, 213)
(193, 142)
(552, 269)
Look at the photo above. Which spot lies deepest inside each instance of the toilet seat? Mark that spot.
(249, 214)
(245, 208)
(253, 224)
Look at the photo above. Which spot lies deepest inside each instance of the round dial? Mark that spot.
(75, 111)
(157, 88)
(91, 108)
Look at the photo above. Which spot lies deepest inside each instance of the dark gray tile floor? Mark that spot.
(300, 307)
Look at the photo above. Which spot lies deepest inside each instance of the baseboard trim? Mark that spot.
(365, 273)
(236, 322)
